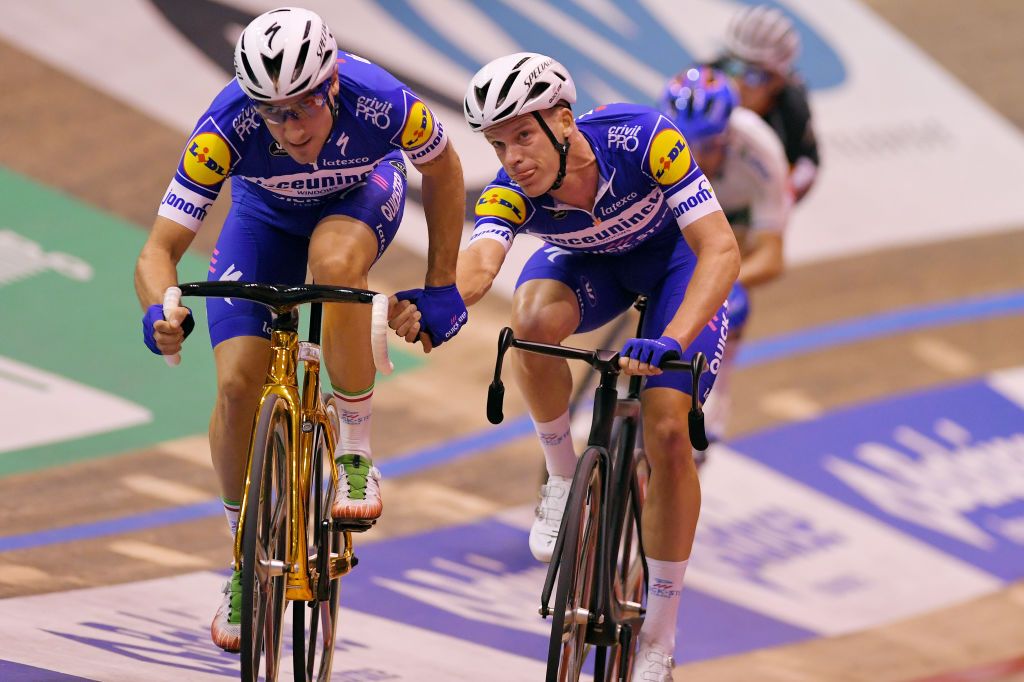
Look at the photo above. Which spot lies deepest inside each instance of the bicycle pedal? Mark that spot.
(354, 525)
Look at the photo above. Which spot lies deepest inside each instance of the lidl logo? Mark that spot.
(419, 125)
(669, 157)
(207, 159)
(502, 203)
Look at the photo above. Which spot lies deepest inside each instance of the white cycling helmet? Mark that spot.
(283, 53)
(764, 36)
(517, 84)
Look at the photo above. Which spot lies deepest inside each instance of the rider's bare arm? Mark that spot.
(718, 264)
(479, 264)
(764, 261)
(156, 268)
(444, 205)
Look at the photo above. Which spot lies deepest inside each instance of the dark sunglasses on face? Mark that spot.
(752, 75)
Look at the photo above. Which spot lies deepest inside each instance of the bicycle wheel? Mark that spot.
(264, 544)
(628, 577)
(314, 648)
(567, 649)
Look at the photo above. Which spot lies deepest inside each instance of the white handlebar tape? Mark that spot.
(172, 299)
(379, 334)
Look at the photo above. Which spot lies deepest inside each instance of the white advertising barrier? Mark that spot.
(909, 154)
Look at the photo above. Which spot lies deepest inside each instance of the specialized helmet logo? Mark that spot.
(669, 157)
(502, 203)
(207, 159)
(419, 125)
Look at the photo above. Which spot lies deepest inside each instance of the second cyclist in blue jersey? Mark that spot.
(623, 210)
(313, 142)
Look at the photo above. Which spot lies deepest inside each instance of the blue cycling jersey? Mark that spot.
(648, 182)
(377, 115)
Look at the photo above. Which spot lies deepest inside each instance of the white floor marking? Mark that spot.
(790, 404)
(944, 356)
(161, 488)
(156, 554)
(40, 408)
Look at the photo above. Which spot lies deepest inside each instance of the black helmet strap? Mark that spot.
(561, 147)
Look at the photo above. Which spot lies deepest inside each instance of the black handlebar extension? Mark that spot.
(605, 362)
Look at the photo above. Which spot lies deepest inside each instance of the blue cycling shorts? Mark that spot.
(259, 243)
(607, 284)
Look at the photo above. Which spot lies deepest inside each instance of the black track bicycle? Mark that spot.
(598, 558)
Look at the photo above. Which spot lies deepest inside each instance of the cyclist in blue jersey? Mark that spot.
(623, 210)
(747, 164)
(312, 140)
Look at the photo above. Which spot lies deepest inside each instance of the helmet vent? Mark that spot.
(506, 86)
(300, 61)
(520, 63)
(273, 66)
(248, 69)
(537, 90)
(507, 111)
(299, 87)
(481, 93)
(305, 34)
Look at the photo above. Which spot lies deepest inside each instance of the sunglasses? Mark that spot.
(305, 107)
(752, 75)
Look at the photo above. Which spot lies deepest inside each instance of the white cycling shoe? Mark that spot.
(358, 496)
(544, 531)
(652, 664)
(226, 628)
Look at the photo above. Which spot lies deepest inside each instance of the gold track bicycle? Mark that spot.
(288, 547)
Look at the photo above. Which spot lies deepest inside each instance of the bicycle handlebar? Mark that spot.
(604, 361)
(282, 298)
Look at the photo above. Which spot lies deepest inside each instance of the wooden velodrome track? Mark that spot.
(69, 146)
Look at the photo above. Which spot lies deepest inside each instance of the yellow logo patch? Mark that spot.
(669, 157)
(419, 126)
(502, 203)
(207, 159)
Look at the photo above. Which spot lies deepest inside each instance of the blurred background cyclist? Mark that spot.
(747, 166)
(761, 47)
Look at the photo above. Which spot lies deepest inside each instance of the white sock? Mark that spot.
(664, 587)
(556, 441)
(354, 412)
(231, 510)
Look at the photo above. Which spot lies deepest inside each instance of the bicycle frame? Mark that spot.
(605, 613)
(306, 412)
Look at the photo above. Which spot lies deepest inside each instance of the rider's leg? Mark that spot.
(341, 252)
(559, 293)
(249, 249)
(673, 491)
(545, 310)
(353, 232)
(241, 369)
(670, 510)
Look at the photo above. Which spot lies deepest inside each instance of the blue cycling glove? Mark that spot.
(739, 307)
(442, 308)
(652, 351)
(154, 314)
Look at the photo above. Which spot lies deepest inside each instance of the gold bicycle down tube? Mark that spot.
(280, 381)
(304, 415)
